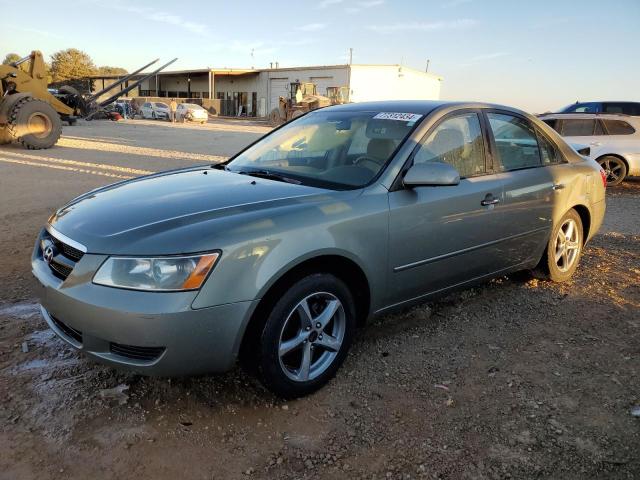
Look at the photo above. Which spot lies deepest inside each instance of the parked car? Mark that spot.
(191, 112)
(613, 140)
(155, 110)
(626, 108)
(343, 214)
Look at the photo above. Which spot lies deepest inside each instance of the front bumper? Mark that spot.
(149, 332)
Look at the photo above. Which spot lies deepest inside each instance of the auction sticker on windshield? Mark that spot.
(403, 117)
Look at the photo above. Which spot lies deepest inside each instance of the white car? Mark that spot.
(191, 112)
(613, 140)
(155, 110)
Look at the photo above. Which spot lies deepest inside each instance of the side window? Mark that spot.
(578, 127)
(458, 142)
(618, 127)
(516, 141)
(548, 152)
(552, 122)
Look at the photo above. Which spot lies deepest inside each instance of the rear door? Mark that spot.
(441, 236)
(528, 186)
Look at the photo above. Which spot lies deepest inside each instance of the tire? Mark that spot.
(5, 137)
(297, 113)
(274, 117)
(323, 341)
(34, 123)
(562, 255)
(615, 168)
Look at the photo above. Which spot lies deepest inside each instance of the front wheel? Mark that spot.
(563, 251)
(614, 168)
(306, 336)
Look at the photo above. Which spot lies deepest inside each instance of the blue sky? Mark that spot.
(536, 55)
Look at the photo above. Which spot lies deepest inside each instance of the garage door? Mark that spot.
(279, 88)
(322, 83)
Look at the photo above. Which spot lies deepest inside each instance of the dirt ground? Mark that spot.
(517, 378)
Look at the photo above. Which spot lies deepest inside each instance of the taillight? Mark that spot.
(603, 175)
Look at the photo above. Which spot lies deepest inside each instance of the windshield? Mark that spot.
(192, 106)
(329, 149)
(161, 105)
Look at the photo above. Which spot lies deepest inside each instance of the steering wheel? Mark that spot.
(365, 158)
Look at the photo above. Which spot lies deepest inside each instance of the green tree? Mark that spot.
(71, 64)
(14, 57)
(107, 70)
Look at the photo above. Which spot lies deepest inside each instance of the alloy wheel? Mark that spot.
(311, 336)
(567, 245)
(613, 168)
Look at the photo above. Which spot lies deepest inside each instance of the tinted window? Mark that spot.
(578, 127)
(147, 105)
(161, 105)
(516, 141)
(618, 127)
(458, 142)
(548, 152)
(627, 108)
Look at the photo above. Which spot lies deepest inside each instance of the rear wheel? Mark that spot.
(34, 123)
(562, 256)
(306, 336)
(615, 169)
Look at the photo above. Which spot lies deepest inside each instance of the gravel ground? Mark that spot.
(517, 378)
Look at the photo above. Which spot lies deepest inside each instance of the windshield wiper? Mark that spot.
(269, 176)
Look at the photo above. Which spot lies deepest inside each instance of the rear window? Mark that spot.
(578, 127)
(618, 127)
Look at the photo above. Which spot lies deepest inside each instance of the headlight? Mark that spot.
(157, 274)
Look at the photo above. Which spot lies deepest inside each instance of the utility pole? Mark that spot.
(350, 56)
(428, 62)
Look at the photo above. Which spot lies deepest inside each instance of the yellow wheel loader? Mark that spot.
(31, 115)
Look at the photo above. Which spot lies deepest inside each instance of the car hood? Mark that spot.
(127, 217)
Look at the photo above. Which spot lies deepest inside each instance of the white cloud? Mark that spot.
(328, 3)
(459, 24)
(160, 17)
(311, 27)
(364, 5)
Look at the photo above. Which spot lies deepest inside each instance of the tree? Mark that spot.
(106, 70)
(71, 64)
(14, 57)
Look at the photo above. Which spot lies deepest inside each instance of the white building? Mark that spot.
(257, 90)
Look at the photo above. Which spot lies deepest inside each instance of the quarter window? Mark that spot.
(618, 127)
(516, 141)
(458, 142)
(548, 152)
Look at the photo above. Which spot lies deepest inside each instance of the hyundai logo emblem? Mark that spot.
(48, 253)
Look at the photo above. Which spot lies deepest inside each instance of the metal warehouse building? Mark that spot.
(255, 92)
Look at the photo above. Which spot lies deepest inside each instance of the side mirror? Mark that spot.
(431, 174)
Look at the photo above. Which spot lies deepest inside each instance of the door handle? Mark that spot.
(558, 186)
(489, 200)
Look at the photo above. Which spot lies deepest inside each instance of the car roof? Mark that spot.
(423, 107)
(586, 115)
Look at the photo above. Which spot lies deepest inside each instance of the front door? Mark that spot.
(441, 236)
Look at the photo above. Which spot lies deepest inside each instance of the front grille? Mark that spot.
(67, 250)
(65, 258)
(59, 270)
(67, 330)
(137, 353)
